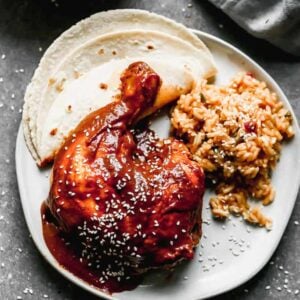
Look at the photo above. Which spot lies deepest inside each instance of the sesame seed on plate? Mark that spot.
(267, 287)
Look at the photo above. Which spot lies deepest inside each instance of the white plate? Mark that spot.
(232, 251)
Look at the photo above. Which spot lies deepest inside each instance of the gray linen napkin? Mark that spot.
(277, 21)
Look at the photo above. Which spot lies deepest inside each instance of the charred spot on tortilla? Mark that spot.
(51, 81)
(114, 52)
(69, 108)
(103, 86)
(101, 51)
(60, 85)
(53, 131)
(150, 47)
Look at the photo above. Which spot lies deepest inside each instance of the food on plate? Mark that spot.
(235, 133)
(80, 71)
(123, 201)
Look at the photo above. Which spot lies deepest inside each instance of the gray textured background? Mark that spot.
(27, 27)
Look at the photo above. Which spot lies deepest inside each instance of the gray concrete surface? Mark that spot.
(27, 27)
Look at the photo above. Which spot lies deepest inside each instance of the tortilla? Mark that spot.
(96, 89)
(72, 55)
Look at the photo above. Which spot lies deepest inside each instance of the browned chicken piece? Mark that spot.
(132, 201)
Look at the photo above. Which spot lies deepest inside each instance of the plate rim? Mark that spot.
(94, 290)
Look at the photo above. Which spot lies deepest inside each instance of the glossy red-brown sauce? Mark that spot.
(63, 247)
(122, 201)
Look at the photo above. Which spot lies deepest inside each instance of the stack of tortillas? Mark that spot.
(80, 71)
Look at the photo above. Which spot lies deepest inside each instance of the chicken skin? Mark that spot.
(132, 201)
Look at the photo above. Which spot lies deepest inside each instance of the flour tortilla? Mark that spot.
(133, 45)
(83, 95)
(105, 23)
